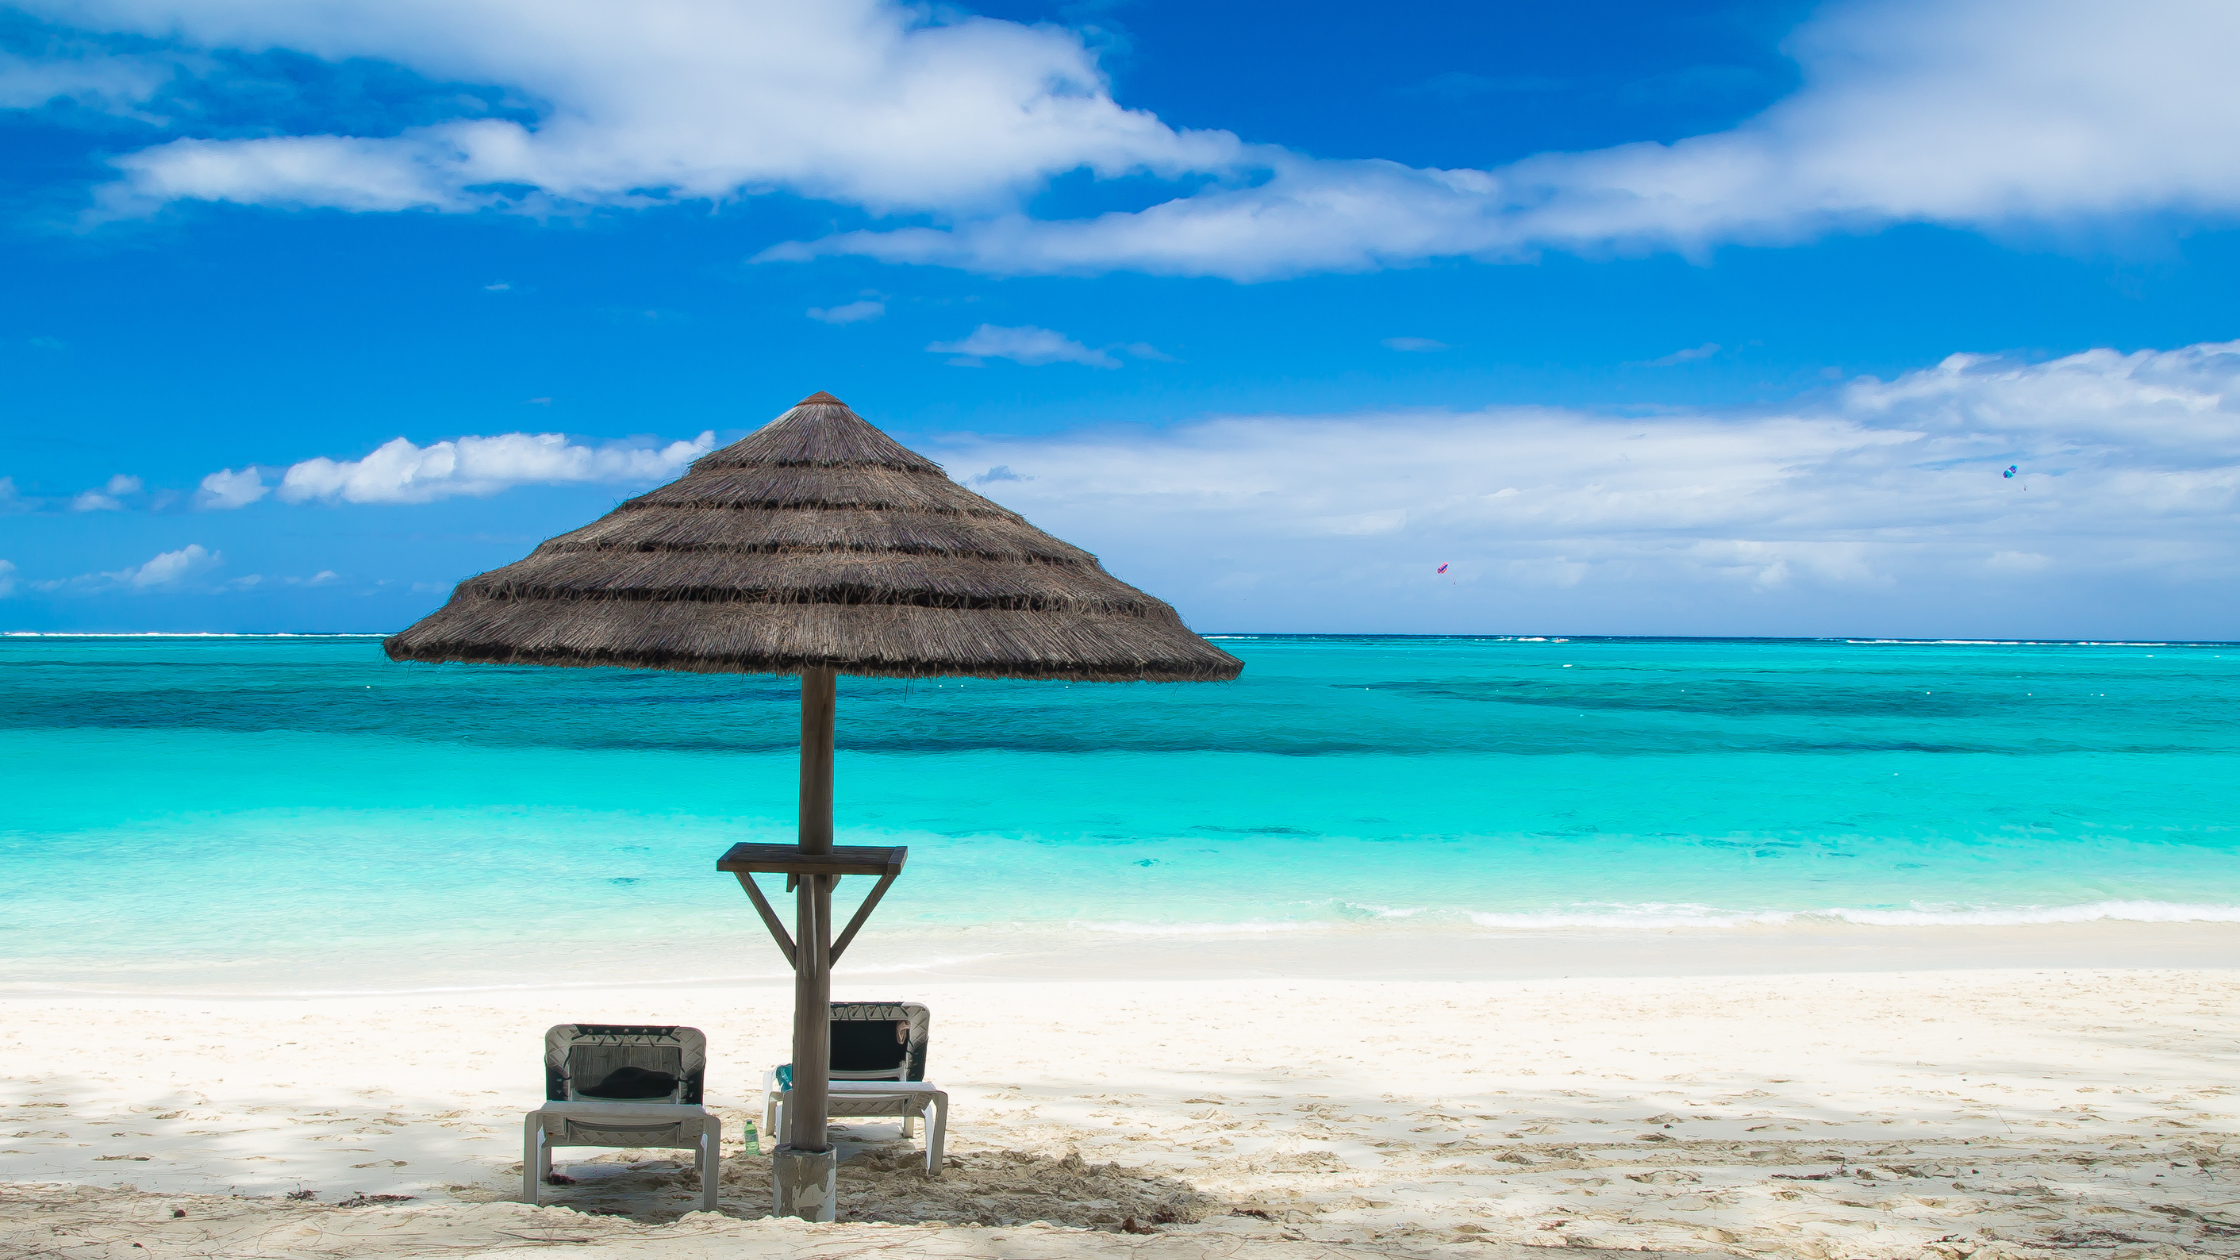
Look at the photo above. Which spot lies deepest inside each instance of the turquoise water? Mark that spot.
(195, 809)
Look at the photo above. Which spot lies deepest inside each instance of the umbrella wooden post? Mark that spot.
(804, 1166)
(812, 975)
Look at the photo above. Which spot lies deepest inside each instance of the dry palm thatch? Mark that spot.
(817, 541)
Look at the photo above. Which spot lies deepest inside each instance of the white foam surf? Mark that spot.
(1650, 917)
(1248, 928)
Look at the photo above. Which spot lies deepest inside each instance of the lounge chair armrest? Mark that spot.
(623, 1110)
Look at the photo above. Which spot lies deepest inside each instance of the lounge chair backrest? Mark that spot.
(879, 1041)
(649, 1063)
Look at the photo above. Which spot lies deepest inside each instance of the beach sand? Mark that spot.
(1838, 1113)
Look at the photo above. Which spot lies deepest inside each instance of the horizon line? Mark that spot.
(1231, 635)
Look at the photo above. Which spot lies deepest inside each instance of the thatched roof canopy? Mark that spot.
(815, 541)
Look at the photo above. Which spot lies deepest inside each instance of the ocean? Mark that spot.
(299, 814)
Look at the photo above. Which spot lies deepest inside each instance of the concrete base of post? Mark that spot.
(804, 1182)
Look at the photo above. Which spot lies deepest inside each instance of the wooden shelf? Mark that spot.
(785, 859)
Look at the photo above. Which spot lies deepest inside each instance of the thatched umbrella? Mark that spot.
(815, 546)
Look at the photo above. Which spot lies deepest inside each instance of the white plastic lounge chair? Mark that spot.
(622, 1085)
(878, 1069)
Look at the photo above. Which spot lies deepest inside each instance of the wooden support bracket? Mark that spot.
(770, 918)
(863, 912)
(745, 860)
(786, 859)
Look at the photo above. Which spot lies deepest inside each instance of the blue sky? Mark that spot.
(1642, 317)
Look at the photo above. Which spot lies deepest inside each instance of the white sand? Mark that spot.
(1992, 1112)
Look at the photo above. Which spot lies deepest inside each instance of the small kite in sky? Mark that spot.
(1442, 568)
(2011, 470)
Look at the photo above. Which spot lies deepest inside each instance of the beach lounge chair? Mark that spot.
(878, 1069)
(622, 1085)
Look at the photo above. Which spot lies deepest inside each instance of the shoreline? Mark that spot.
(975, 955)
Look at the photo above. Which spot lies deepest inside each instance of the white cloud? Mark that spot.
(851, 313)
(1975, 113)
(251, 581)
(169, 568)
(1980, 114)
(853, 100)
(1878, 503)
(229, 489)
(109, 83)
(1414, 345)
(165, 571)
(106, 499)
(169, 572)
(400, 472)
(1028, 344)
(1689, 355)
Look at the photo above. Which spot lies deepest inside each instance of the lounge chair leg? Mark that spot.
(711, 1163)
(532, 1133)
(937, 1131)
(906, 1119)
